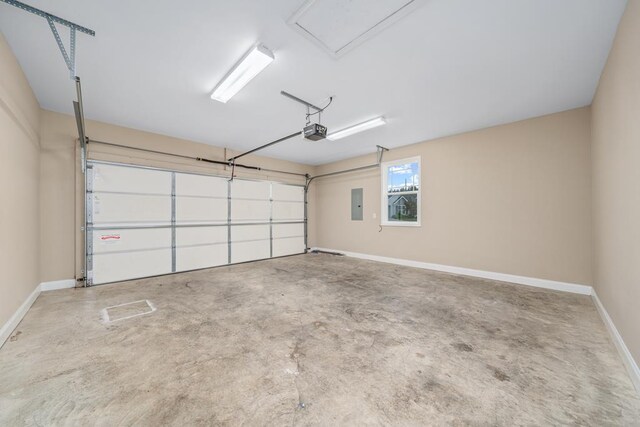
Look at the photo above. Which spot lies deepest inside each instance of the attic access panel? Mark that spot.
(338, 26)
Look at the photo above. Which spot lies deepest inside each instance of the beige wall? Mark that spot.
(61, 196)
(616, 181)
(510, 199)
(19, 172)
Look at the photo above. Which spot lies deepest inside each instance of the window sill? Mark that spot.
(400, 224)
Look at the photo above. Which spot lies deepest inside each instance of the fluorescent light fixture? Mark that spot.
(361, 127)
(251, 64)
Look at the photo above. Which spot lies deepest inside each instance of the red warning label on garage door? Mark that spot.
(109, 238)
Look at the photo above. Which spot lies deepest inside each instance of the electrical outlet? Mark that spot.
(375, 215)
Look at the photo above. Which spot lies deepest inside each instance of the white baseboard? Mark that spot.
(625, 354)
(57, 284)
(12, 323)
(502, 277)
(8, 328)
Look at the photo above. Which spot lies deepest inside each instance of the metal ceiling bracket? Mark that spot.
(69, 58)
(70, 61)
(380, 152)
(82, 134)
(232, 163)
(44, 14)
(301, 101)
(309, 106)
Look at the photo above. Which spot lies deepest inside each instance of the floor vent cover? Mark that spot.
(127, 310)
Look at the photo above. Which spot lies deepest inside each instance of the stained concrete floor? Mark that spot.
(314, 339)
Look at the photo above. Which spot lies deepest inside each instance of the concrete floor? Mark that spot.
(314, 339)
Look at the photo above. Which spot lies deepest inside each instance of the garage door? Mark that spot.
(145, 222)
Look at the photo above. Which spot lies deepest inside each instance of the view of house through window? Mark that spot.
(401, 192)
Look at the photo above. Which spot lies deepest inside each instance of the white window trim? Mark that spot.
(384, 220)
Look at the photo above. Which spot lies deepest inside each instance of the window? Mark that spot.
(401, 192)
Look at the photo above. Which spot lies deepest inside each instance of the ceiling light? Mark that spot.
(361, 127)
(251, 64)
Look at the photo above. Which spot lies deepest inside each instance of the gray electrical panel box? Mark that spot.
(356, 204)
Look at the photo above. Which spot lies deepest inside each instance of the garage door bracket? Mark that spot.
(52, 20)
(379, 154)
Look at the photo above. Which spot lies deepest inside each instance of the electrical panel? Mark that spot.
(356, 204)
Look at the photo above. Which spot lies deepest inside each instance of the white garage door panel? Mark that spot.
(128, 254)
(291, 211)
(201, 247)
(249, 242)
(288, 246)
(288, 230)
(199, 185)
(287, 192)
(250, 201)
(288, 202)
(250, 251)
(111, 208)
(288, 239)
(139, 202)
(115, 267)
(195, 257)
(191, 210)
(107, 241)
(250, 211)
(201, 199)
(250, 189)
(189, 236)
(242, 233)
(130, 179)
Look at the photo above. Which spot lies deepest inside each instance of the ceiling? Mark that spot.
(447, 67)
